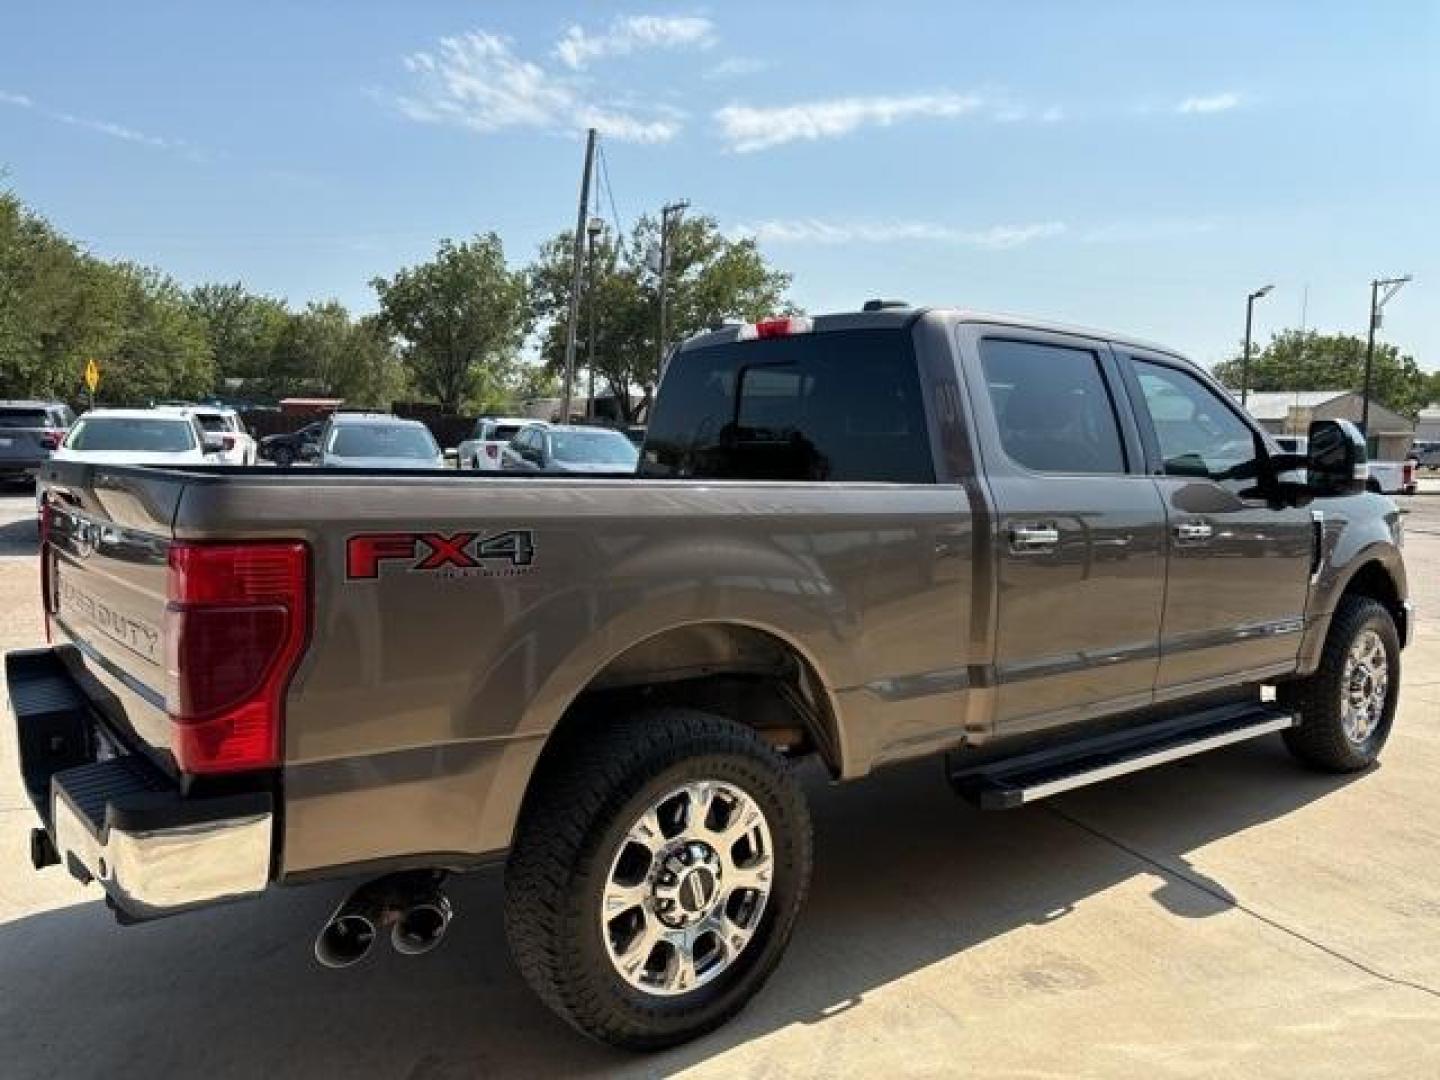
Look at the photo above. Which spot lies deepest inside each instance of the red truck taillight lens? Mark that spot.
(236, 624)
(51, 438)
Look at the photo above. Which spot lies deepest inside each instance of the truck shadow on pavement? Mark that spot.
(20, 537)
(906, 876)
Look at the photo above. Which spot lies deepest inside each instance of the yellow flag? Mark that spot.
(92, 375)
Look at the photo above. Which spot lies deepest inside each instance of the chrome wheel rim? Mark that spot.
(1364, 687)
(687, 888)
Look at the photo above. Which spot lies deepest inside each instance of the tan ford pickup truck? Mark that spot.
(1044, 555)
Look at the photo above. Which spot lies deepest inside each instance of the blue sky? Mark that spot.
(1140, 166)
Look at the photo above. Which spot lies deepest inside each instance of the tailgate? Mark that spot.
(104, 567)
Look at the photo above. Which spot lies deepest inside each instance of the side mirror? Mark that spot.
(1336, 458)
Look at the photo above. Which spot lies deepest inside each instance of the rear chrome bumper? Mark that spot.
(116, 819)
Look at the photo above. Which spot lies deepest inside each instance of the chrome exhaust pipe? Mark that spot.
(421, 926)
(345, 940)
(410, 902)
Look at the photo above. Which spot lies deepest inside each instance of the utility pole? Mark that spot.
(1245, 361)
(1377, 305)
(593, 230)
(666, 212)
(570, 327)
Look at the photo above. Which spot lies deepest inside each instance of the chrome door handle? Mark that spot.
(1033, 537)
(1193, 531)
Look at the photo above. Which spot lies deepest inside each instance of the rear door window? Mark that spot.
(1052, 407)
(841, 406)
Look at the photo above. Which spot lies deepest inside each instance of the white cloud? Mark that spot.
(477, 81)
(115, 131)
(632, 33)
(734, 67)
(748, 128)
(1210, 104)
(817, 231)
(104, 127)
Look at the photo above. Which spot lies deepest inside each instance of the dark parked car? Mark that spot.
(30, 431)
(292, 446)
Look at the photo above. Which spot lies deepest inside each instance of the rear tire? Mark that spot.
(1348, 705)
(637, 907)
(283, 457)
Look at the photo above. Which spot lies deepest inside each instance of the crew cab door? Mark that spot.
(1239, 563)
(1078, 544)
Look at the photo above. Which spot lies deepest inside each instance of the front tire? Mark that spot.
(656, 876)
(1348, 705)
(283, 457)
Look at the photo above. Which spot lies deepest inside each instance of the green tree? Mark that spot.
(156, 347)
(711, 278)
(55, 306)
(243, 328)
(460, 317)
(1308, 360)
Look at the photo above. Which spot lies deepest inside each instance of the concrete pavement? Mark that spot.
(1228, 916)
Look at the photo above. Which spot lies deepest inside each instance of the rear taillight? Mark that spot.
(784, 326)
(51, 438)
(492, 451)
(236, 624)
(227, 442)
(1407, 474)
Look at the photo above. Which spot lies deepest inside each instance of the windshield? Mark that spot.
(594, 447)
(125, 433)
(503, 432)
(382, 441)
(23, 418)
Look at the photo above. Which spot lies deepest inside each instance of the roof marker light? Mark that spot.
(783, 326)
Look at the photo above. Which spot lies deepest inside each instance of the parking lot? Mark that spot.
(1227, 916)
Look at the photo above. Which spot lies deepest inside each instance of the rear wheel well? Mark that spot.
(739, 672)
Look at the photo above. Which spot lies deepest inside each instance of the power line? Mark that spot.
(609, 191)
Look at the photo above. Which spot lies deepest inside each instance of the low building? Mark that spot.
(1427, 428)
(1290, 412)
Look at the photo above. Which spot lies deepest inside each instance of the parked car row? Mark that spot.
(34, 432)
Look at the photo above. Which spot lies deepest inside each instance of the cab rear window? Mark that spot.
(842, 406)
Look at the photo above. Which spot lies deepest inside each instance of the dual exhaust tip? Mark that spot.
(411, 905)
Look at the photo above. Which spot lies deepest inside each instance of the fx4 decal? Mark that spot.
(462, 554)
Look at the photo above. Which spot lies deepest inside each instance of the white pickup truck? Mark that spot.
(491, 435)
(1386, 477)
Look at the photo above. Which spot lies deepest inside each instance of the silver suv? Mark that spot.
(378, 441)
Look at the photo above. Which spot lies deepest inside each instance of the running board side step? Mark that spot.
(1018, 781)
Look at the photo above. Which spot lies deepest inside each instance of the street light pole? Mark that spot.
(1377, 305)
(570, 324)
(593, 229)
(675, 209)
(1245, 361)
